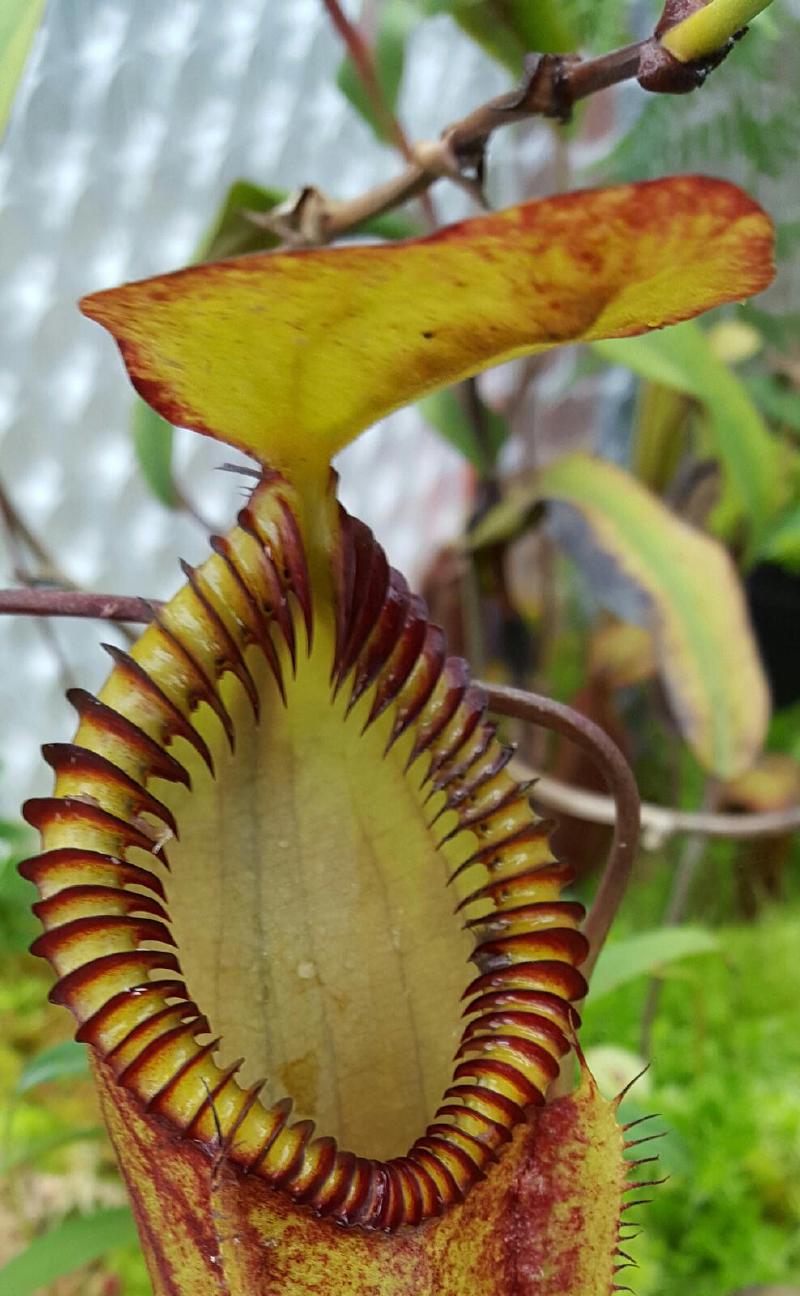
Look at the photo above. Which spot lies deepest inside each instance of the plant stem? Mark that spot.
(364, 63)
(659, 823)
(18, 530)
(24, 545)
(553, 84)
(710, 28)
(621, 783)
(685, 873)
(622, 853)
(687, 868)
(39, 602)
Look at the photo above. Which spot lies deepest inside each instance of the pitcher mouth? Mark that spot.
(104, 880)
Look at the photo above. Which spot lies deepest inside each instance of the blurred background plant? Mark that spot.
(630, 545)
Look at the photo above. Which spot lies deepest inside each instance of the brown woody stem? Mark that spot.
(552, 85)
(550, 90)
(364, 63)
(40, 602)
(18, 529)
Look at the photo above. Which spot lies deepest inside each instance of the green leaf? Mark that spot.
(32, 1151)
(391, 226)
(510, 29)
(653, 356)
(601, 27)
(681, 357)
(19, 21)
(782, 545)
(781, 404)
(645, 954)
(690, 591)
(14, 838)
(782, 331)
(152, 440)
(18, 925)
(56, 1063)
(397, 18)
(445, 411)
(67, 1247)
(230, 232)
(658, 442)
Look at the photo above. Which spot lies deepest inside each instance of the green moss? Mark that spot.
(726, 1066)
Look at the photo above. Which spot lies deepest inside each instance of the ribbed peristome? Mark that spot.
(252, 611)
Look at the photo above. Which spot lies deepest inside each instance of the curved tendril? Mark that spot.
(532, 707)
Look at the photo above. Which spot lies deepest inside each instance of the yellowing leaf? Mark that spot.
(231, 233)
(621, 654)
(772, 784)
(289, 356)
(696, 611)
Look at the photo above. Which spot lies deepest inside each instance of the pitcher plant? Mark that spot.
(285, 827)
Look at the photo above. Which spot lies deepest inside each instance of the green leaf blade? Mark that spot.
(782, 544)
(682, 357)
(19, 22)
(510, 29)
(779, 403)
(646, 953)
(34, 1151)
(445, 412)
(56, 1063)
(231, 232)
(153, 439)
(67, 1247)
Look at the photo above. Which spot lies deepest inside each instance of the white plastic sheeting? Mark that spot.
(132, 120)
